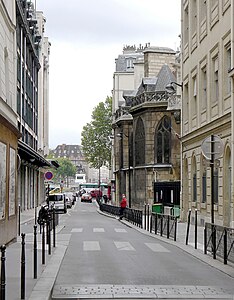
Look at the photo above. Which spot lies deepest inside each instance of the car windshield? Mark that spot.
(56, 198)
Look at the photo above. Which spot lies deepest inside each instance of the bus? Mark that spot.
(87, 186)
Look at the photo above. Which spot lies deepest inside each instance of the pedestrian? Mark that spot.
(123, 205)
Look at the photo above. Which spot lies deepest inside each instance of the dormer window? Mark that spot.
(129, 63)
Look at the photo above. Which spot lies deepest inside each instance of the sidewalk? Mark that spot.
(40, 288)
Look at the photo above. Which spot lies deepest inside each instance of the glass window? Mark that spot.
(163, 141)
(140, 143)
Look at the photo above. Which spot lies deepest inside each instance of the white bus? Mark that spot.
(80, 178)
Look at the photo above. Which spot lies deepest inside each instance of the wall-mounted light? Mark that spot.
(170, 88)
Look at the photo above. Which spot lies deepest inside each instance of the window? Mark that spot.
(185, 103)
(203, 88)
(203, 9)
(129, 63)
(194, 95)
(204, 186)
(163, 141)
(227, 68)
(194, 16)
(140, 143)
(215, 79)
(186, 25)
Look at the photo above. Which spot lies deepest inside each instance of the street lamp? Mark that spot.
(170, 87)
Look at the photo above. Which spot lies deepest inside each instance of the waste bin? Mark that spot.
(157, 208)
(176, 211)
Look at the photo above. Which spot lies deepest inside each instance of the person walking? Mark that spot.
(123, 205)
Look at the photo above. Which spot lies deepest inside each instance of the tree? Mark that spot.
(66, 169)
(95, 136)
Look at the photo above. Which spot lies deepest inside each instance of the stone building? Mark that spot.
(9, 132)
(207, 77)
(21, 165)
(145, 129)
(75, 155)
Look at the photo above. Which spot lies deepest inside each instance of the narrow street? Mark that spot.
(107, 259)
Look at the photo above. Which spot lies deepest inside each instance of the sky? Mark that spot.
(86, 37)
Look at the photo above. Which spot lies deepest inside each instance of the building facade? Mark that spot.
(145, 147)
(21, 165)
(75, 155)
(207, 110)
(9, 132)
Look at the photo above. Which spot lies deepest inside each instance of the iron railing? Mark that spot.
(219, 241)
(133, 216)
(164, 225)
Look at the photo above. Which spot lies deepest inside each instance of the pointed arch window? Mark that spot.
(163, 141)
(140, 143)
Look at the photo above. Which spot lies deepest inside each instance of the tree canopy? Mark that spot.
(95, 136)
(66, 169)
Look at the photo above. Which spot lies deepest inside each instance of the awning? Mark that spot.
(29, 154)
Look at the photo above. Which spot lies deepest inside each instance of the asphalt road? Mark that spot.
(107, 259)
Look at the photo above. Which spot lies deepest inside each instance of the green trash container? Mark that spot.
(157, 208)
(176, 211)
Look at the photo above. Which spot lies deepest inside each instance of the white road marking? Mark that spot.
(91, 246)
(77, 230)
(124, 246)
(98, 230)
(120, 230)
(155, 247)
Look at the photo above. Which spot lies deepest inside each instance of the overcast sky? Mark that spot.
(86, 36)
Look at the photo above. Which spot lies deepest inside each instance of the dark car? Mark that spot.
(86, 197)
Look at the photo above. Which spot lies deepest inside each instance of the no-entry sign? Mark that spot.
(49, 175)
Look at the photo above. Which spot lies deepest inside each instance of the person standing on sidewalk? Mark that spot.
(123, 205)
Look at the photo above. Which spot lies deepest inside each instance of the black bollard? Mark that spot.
(188, 225)
(19, 221)
(148, 217)
(195, 229)
(43, 244)
(145, 218)
(54, 231)
(35, 253)
(23, 266)
(3, 273)
(49, 236)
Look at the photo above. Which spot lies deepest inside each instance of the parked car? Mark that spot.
(69, 199)
(96, 192)
(86, 197)
(58, 201)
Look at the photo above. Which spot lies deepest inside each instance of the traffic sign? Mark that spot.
(217, 147)
(49, 175)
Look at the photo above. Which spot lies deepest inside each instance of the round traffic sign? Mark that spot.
(217, 147)
(49, 175)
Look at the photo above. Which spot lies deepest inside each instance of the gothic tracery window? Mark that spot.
(163, 141)
(140, 143)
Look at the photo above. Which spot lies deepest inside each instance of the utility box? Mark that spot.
(157, 208)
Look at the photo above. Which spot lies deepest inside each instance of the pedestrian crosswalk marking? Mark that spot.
(77, 230)
(155, 247)
(124, 246)
(91, 246)
(120, 230)
(98, 230)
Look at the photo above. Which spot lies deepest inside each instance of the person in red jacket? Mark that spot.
(123, 205)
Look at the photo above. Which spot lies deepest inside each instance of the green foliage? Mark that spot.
(66, 169)
(95, 137)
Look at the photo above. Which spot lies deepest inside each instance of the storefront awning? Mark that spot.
(28, 154)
